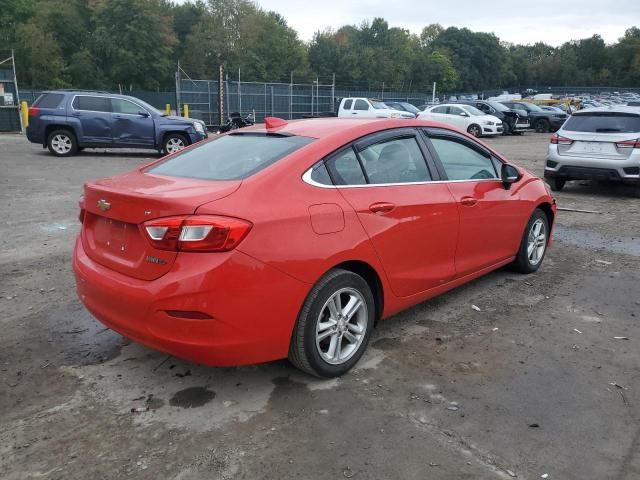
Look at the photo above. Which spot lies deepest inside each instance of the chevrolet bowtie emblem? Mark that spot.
(103, 205)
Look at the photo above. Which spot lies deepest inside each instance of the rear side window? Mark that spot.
(92, 104)
(347, 104)
(231, 157)
(606, 122)
(461, 162)
(345, 169)
(396, 161)
(49, 100)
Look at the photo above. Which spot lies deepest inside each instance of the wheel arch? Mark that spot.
(58, 126)
(372, 278)
(182, 133)
(548, 211)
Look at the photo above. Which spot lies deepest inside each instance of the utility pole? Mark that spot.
(178, 87)
(433, 94)
(15, 83)
(221, 94)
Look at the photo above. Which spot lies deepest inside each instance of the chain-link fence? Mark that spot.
(9, 95)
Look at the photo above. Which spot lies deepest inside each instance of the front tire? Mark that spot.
(174, 142)
(474, 130)
(334, 325)
(533, 245)
(506, 130)
(62, 143)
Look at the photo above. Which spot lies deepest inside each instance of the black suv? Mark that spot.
(512, 121)
(540, 120)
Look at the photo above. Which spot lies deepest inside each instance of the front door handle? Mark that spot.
(381, 208)
(468, 201)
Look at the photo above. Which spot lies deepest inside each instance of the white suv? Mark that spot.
(354, 107)
(600, 144)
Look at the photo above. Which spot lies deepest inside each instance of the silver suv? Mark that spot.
(600, 144)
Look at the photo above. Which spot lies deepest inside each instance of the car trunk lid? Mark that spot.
(600, 145)
(116, 208)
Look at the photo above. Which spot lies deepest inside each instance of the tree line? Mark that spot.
(135, 44)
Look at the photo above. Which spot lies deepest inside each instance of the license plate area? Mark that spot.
(113, 235)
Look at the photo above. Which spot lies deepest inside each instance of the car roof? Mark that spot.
(320, 128)
(98, 93)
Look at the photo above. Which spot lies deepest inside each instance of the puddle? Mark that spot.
(597, 241)
(192, 397)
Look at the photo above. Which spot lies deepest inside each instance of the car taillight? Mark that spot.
(558, 140)
(34, 111)
(197, 233)
(629, 144)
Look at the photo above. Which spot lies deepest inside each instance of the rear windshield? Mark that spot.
(49, 100)
(605, 122)
(230, 157)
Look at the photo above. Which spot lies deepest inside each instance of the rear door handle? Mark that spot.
(381, 208)
(468, 201)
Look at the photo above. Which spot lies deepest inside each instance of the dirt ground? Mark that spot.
(534, 383)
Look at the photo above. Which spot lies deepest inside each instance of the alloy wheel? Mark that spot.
(175, 145)
(341, 326)
(537, 242)
(61, 144)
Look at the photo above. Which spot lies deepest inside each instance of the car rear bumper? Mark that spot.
(590, 168)
(251, 319)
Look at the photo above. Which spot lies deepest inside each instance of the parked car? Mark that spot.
(465, 117)
(368, 108)
(512, 121)
(539, 120)
(597, 144)
(403, 107)
(551, 108)
(67, 121)
(379, 215)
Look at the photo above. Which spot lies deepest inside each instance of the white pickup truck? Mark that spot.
(360, 107)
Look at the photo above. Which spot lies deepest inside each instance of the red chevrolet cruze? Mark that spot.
(294, 239)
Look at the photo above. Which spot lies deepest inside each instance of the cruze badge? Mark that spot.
(103, 205)
(156, 260)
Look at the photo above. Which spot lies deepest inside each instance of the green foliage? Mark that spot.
(137, 43)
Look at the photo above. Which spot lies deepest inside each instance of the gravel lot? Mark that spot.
(532, 384)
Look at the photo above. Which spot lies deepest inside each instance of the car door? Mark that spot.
(94, 114)
(437, 114)
(491, 220)
(458, 117)
(132, 124)
(411, 220)
(361, 108)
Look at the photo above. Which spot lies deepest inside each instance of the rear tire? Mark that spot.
(542, 126)
(556, 183)
(174, 142)
(474, 130)
(636, 190)
(62, 143)
(334, 325)
(533, 245)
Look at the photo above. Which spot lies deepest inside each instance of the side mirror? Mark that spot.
(463, 114)
(510, 175)
(143, 114)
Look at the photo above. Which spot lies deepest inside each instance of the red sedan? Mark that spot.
(294, 239)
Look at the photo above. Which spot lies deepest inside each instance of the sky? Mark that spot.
(515, 21)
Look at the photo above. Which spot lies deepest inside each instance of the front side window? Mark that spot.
(461, 162)
(455, 111)
(361, 105)
(345, 168)
(395, 161)
(473, 111)
(230, 157)
(124, 106)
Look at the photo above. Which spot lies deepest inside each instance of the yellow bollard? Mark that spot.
(24, 111)
(167, 109)
(186, 111)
